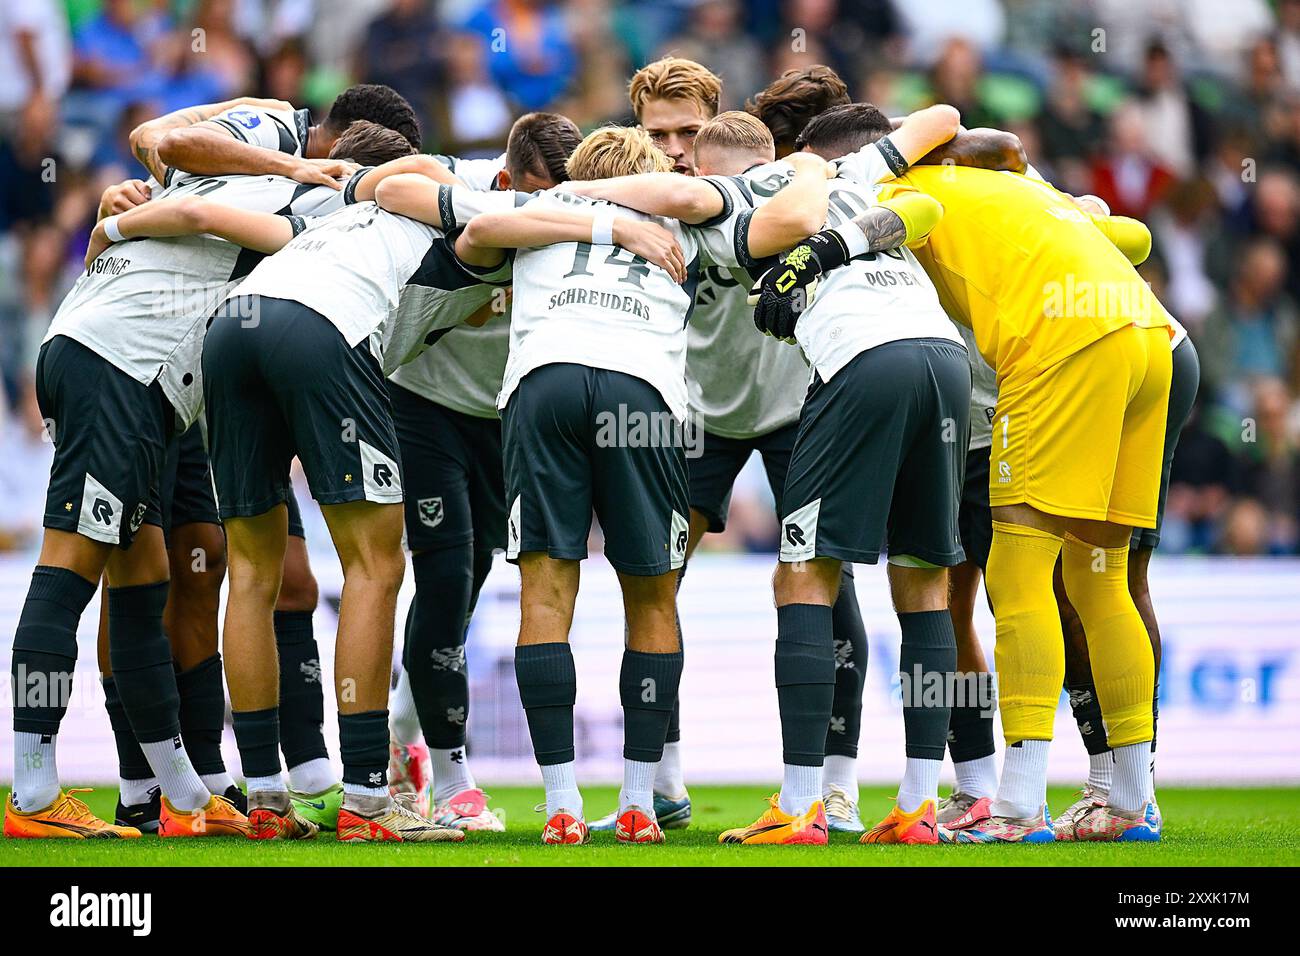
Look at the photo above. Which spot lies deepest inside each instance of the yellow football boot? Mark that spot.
(66, 818)
(778, 827)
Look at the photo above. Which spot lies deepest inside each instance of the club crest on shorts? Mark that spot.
(137, 519)
(431, 511)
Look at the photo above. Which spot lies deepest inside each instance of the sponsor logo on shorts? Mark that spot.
(679, 532)
(101, 512)
(137, 519)
(379, 475)
(799, 533)
(1004, 472)
(431, 511)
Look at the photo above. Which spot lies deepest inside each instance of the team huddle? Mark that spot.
(940, 358)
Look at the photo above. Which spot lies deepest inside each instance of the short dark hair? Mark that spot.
(540, 144)
(377, 103)
(370, 144)
(844, 129)
(791, 101)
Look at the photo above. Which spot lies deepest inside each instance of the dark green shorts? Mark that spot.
(452, 473)
(110, 438)
(975, 517)
(578, 440)
(714, 472)
(288, 385)
(1183, 386)
(880, 458)
(185, 491)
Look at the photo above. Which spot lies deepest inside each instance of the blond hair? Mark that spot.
(735, 130)
(675, 78)
(617, 151)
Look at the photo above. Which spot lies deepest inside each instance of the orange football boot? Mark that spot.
(217, 818)
(265, 823)
(66, 818)
(564, 828)
(634, 825)
(778, 827)
(919, 826)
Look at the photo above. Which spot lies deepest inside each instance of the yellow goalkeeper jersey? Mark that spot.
(1036, 278)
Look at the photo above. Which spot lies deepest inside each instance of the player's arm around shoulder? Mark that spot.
(794, 213)
(195, 216)
(536, 224)
(420, 176)
(685, 198)
(1130, 236)
(917, 214)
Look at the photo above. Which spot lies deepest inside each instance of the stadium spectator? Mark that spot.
(532, 58)
(1254, 332)
(403, 48)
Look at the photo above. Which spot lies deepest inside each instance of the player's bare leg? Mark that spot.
(548, 686)
(368, 539)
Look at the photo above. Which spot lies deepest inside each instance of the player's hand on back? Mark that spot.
(99, 241)
(653, 243)
(323, 172)
(123, 196)
(812, 161)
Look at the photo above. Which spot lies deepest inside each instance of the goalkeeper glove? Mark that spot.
(784, 291)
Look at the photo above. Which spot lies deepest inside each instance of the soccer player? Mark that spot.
(737, 142)
(117, 368)
(745, 392)
(250, 136)
(339, 426)
(970, 728)
(449, 435)
(598, 337)
(1185, 380)
(235, 137)
(1081, 350)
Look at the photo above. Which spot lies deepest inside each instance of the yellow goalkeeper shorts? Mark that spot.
(1085, 438)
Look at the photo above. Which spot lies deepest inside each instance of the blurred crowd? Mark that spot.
(1184, 113)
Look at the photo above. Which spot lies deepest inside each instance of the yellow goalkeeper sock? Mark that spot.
(1030, 648)
(1123, 668)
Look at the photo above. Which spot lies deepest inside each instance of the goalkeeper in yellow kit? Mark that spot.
(1081, 350)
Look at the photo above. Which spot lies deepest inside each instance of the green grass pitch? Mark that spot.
(1204, 827)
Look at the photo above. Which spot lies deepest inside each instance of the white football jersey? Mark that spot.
(983, 392)
(465, 370)
(602, 307)
(284, 131)
(143, 303)
(475, 173)
(874, 299)
(741, 383)
(377, 277)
